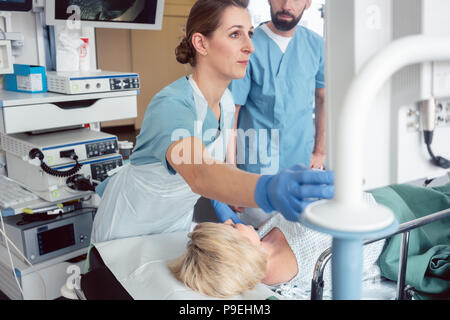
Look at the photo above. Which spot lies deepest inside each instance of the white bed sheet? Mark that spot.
(140, 265)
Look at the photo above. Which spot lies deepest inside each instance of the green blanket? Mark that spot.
(428, 269)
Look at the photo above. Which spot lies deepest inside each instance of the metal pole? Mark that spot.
(402, 266)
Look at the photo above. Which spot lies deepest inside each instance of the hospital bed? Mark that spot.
(104, 279)
(135, 268)
(140, 273)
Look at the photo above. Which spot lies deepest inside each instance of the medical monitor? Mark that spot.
(124, 14)
(15, 5)
(394, 148)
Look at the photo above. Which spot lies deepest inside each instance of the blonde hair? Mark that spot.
(219, 262)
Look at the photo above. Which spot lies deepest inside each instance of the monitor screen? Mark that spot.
(15, 5)
(129, 14)
(55, 239)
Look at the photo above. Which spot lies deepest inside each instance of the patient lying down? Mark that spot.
(224, 260)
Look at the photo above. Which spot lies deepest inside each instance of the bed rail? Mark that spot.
(403, 292)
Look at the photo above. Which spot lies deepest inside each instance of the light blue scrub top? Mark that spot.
(170, 109)
(278, 92)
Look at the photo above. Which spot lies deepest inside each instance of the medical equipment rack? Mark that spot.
(403, 292)
(43, 112)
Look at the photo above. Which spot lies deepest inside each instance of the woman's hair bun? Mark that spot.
(184, 52)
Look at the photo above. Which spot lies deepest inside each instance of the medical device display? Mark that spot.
(91, 81)
(128, 14)
(58, 147)
(53, 236)
(15, 5)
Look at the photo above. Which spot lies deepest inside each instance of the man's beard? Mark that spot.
(284, 25)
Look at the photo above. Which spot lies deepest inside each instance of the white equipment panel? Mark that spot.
(53, 188)
(91, 81)
(22, 112)
(85, 143)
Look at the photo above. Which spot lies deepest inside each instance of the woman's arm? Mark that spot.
(231, 157)
(211, 178)
(288, 192)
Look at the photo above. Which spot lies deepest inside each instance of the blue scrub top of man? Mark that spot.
(277, 98)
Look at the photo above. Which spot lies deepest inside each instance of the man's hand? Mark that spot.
(317, 161)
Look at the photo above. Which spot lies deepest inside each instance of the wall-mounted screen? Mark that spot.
(15, 5)
(124, 14)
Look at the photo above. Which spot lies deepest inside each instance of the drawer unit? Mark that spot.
(21, 113)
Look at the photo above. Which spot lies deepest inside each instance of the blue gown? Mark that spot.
(278, 93)
(147, 196)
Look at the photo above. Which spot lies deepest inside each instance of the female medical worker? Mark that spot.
(177, 159)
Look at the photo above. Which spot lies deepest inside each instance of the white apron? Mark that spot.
(147, 199)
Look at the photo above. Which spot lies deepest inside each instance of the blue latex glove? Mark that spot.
(292, 190)
(224, 212)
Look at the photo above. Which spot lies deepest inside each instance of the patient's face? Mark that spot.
(246, 231)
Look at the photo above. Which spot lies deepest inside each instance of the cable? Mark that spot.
(436, 160)
(7, 241)
(9, 254)
(38, 153)
(428, 181)
(428, 111)
(79, 182)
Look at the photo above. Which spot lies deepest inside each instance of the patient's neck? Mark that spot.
(281, 262)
